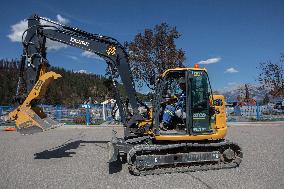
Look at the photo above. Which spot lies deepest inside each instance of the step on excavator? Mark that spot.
(184, 130)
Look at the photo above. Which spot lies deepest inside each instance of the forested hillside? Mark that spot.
(72, 88)
(8, 81)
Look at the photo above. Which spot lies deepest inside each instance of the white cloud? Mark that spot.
(82, 71)
(89, 54)
(62, 19)
(18, 29)
(231, 70)
(54, 45)
(210, 61)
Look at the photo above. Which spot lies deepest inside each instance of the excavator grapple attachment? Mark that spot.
(31, 119)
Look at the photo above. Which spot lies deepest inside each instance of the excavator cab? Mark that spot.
(185, 103)
(186, 109)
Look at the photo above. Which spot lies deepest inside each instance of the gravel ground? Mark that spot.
(77, 158)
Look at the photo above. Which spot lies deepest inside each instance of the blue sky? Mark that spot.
(230, 37)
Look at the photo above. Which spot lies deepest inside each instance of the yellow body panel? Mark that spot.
(221, 133)
(220, 117)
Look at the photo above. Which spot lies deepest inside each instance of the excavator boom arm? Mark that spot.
(34, 61)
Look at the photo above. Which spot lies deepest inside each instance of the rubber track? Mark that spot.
(183, 168)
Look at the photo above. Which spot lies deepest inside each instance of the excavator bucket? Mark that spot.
(31, 119)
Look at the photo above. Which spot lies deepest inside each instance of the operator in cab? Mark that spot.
(175, 108)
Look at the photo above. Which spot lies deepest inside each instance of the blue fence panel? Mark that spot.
(251, 113)
(4, 110)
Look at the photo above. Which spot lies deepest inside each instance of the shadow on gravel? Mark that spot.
(62, 150)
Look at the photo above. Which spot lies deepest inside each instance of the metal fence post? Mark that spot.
(88, 114)
(104, 112)
(58, 112)
(257, 111)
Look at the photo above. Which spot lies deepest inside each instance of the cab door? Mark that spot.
(197, 103)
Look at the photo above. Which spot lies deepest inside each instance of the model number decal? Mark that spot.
(38, 84)
(199, 116)
(199, 129)
(78, 41)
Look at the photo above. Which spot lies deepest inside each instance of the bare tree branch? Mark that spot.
(153, 52)
(271, 77)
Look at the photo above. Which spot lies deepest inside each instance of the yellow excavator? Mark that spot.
(183, 131)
